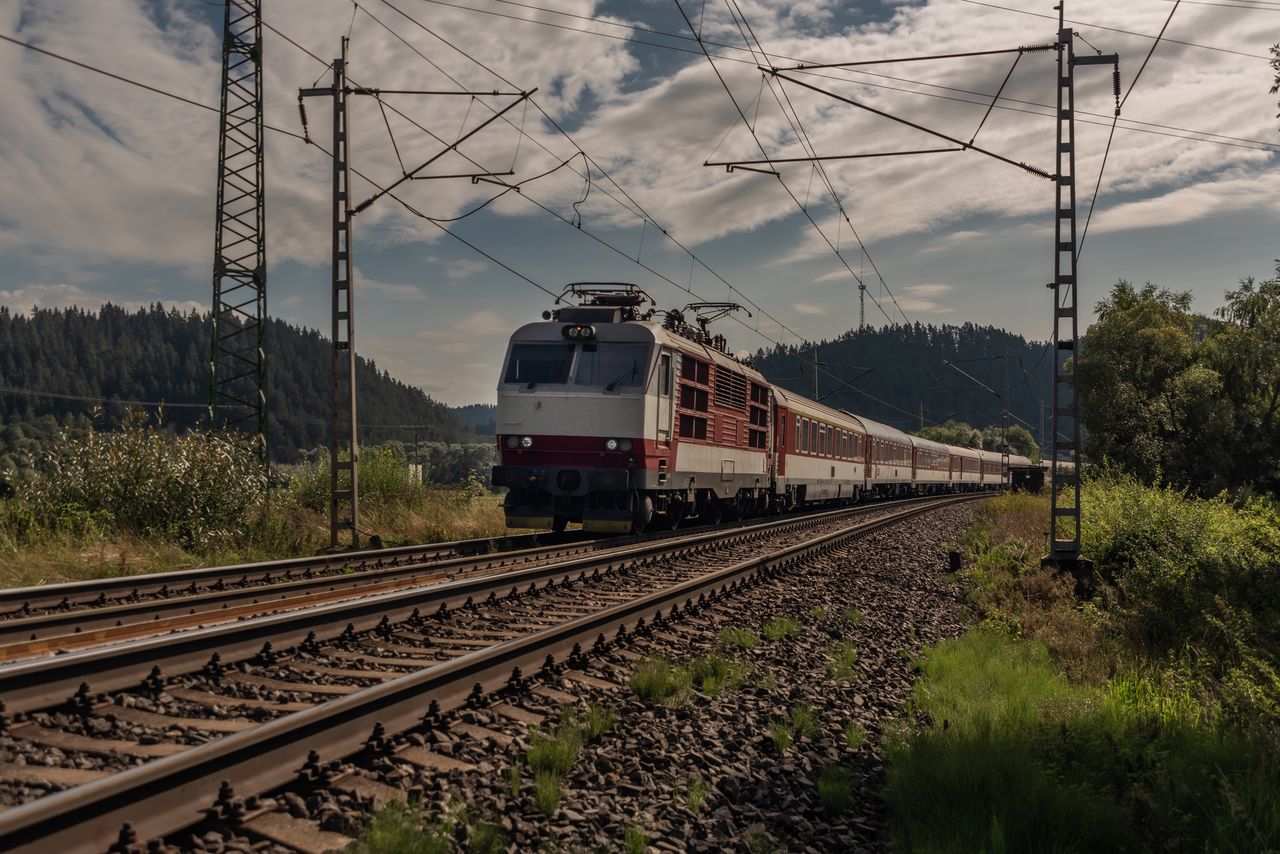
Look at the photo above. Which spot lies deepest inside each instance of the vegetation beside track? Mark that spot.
(142, 500)
(1143, 715)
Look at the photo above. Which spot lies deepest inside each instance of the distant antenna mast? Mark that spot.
(862, 306)
(238, 357)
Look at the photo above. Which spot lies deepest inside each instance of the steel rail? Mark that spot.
(165, 795)
(181, 581)
(59, 631)
(47, 681)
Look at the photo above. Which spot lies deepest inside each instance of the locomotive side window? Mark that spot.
(695, 370)
(664, 375)
(613, 365)
(539, 363)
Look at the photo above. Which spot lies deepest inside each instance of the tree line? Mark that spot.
(75, 368)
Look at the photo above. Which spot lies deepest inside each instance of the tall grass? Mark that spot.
(1143, 718)
(142, 500)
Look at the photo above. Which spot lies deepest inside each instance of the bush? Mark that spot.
(192, 490)
(1179, 563)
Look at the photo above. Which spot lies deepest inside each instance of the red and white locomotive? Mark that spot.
(608, 417)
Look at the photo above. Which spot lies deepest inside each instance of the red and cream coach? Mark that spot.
(623, 418)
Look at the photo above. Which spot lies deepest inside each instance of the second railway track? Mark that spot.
(242, 700)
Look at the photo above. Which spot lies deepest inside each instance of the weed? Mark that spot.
(697, 794)
(400, 829)
(854, 735)
(843, 658)
(656, 678)
(485, 838)
(778, 628)
(781, 731)
(515, 778)
(636, 840)
(734, 636)
(835, 789)
(759, 842)
(555, 754)
(713, 673)
(803, 721)
(768, 682)
(596, 722)
(546, 791)
(817, 613)
(852, 616)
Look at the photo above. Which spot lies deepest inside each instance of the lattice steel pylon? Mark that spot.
(238, 359)
(1065, 444)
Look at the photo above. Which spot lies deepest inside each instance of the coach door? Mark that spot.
(665, 409)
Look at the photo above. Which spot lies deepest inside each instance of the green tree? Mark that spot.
(1148, 401)
(1244, 350)
(953, 433)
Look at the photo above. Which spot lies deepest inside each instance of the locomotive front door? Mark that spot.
(665, 410)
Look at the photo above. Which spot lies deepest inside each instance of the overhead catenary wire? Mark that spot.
(1119, 106)
(1131, 125)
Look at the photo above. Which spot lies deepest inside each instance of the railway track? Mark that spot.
(58, 618)
(160, 722)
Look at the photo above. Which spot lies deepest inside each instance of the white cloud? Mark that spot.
(480, 329)
(809, 309)
(925, 299)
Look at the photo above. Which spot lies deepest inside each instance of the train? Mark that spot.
(625, 419)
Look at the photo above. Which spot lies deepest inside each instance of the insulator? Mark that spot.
(302, 112)
(1115, 84)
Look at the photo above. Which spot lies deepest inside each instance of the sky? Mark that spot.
(107, 191)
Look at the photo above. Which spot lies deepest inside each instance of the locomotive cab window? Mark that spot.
(539, 363)
(613, 365)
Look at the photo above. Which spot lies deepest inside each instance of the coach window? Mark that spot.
(813, 436)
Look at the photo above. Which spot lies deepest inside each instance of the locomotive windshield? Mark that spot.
(612, 365)
(539, 363)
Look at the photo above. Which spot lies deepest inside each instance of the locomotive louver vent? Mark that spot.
(581, 314)
(731, 388)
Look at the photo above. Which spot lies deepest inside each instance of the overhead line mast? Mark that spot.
(344, 433)
(238, 335)
(1064, 521)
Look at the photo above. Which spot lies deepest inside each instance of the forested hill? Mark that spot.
(907, 370)
(159, 354)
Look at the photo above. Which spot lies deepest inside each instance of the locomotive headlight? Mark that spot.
(611, 444)
(625, 444)
(512, 441)
(572, 331)
(526, 441)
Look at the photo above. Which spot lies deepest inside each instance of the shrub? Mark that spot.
(636, 840)
(803, 721)
(854, 735)
(193, 489)
(713, 673)
(1173, 559)
(546, 791)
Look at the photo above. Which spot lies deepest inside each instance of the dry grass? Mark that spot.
(281, 530)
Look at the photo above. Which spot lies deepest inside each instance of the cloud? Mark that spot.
(480, 328)
(809, 309)
(925, 299)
